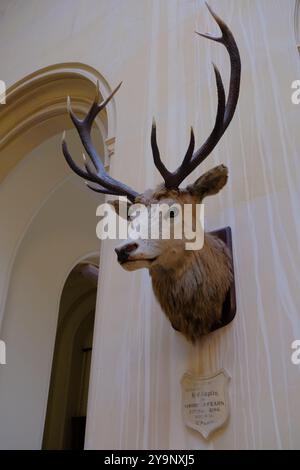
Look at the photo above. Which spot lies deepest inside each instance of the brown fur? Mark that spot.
(190, 285)
(192, 296)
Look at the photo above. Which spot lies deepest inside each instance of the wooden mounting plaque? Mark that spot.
(229, 306)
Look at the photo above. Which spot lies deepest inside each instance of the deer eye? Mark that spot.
(172, 213)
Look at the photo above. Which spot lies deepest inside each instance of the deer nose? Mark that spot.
(123, 253)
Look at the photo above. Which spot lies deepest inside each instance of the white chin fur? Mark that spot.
(133, 265)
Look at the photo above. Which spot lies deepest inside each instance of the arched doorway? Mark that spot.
(68, 392)
(36, 111)
(48, 221)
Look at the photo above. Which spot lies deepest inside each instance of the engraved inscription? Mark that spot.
(205, 401)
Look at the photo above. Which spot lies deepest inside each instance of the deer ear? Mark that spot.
(210, 183)
(121, 207)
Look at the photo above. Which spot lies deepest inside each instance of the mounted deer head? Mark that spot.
(190, 286)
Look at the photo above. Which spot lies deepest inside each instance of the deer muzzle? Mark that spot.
(124, 252)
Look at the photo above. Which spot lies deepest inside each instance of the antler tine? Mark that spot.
(71, 162)
(87, 165)
(170, 178)
(88, 175)
(228, 41)
(156, 154)
(84, 126)
(216, 133)
(96, 107)
(190, 150)
(190, 162)
(225, 110)
(101, 190)
(99, 176)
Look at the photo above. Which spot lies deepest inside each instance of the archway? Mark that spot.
(68, 392)
(48, 219)
(36, 111)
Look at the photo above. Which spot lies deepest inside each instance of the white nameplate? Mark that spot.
(205, 401)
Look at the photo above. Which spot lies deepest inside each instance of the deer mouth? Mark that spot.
(135, 260)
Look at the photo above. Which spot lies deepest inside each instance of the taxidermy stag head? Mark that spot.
(190, 286)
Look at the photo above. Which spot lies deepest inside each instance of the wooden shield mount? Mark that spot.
(229, 306)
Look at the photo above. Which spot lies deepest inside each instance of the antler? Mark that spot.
(94, 170)
(225, 112)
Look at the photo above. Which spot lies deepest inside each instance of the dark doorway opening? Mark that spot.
(69, 384)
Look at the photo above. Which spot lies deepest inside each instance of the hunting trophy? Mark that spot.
(191, 286)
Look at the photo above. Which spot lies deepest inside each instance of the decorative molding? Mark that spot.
(38, 103)
(110, 145)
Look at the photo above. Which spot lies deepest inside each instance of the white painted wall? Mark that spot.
(138, 359)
